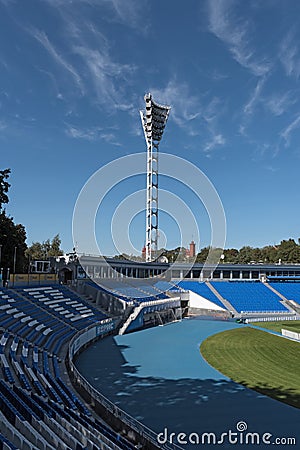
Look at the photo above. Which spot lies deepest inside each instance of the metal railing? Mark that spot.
(273, 319)
(136, 426)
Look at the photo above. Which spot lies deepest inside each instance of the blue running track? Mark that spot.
(159, 377)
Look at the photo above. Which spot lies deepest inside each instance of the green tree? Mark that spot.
(55, 249)
(294, 255)
(231, 255)
(12, 236)
(285, 249)
(45, 249)
(4, 187)
(13, 245)
(35, 251)
(269, 254)
(245, 255)
(202, 255)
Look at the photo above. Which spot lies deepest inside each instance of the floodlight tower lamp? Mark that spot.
(154, 120)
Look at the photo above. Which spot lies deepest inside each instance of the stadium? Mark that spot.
(116, 354)
(47, 402)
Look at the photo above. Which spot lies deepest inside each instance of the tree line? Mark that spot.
(286, 252)
(15, 255)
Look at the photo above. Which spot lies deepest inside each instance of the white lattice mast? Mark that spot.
(154, 121)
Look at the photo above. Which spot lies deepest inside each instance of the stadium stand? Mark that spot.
(139, 292)
(164, 286)
(37, 408)
(291, 291)
(5, 444)
(200, 289)
(250, 297)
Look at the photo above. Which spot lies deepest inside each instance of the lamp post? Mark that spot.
(154, 120)
(15, 259)
(1, 268)
(15, 262)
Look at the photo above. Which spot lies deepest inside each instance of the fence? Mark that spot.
(273, 319)
(25, 279)
(113, 414)
(291, 334)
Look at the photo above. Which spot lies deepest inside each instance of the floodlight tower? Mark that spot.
(154, 121)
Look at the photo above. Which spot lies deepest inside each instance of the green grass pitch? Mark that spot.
(292, 325)
(267, 363)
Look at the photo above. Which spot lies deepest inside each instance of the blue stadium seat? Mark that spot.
(200, 289)
(252, 297)
(8, 444)
(291, 291)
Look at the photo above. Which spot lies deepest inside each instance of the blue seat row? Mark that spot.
(18, 403)
(8, 444)
(43, 391)
(67, 304)
(9, 411)
(249, 296)
(30, 404)
(127, 292)
(8, 376)
(291, 291)
(200, 289)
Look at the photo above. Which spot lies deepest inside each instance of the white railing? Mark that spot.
(131, 318)
(273, 319)
(139, 308)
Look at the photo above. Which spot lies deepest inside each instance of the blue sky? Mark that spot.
(73, 77)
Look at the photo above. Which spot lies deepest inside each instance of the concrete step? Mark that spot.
(225, 302)
(284, 300)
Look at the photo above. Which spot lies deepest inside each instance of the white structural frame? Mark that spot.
(153, 121)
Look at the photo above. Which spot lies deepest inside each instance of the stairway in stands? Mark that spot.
(225, 302)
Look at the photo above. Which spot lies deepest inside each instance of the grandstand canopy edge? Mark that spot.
(114, 268)
(284, 279)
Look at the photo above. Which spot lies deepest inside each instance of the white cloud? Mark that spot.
(3, 125)
(42, 38)
(212, 110)
(242, 130)
(216, 75)
(255, 97)
(235, 34)
(286, 133)
(197, 116)
(110, 138)
(91, 134)
(217, 140)
(105, 75)
(272, 169)
(289, 55)
(278, 104)
(102, 78)
(185, 106)
(129, 12)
